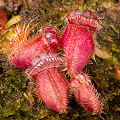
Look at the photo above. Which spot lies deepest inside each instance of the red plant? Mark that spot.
(38, 55)
(52, 87)
(23, 51)
(78, 46)
(77, 39)
(84, 93)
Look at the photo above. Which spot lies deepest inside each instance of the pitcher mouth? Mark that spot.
(84, 18)
(44, 61)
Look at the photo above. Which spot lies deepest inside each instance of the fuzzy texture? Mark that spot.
(52, 89)
(77, 40)
(23, 53)
(84, 93)
(78, 47)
